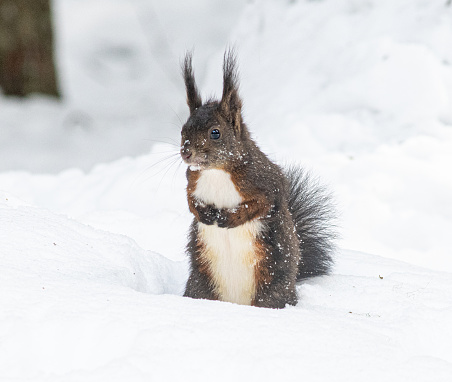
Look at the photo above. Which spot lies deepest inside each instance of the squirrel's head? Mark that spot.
(214, 133)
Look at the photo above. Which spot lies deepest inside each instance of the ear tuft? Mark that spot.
(231, 104)
(193, 97)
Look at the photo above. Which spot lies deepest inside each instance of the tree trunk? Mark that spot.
(26, 48)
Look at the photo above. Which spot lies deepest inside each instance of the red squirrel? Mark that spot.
(257, 229)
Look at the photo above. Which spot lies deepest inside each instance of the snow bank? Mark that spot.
(60, 281)
(79, 304)
(143, 198)
(46, 245)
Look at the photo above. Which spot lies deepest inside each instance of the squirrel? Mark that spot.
(257, 229)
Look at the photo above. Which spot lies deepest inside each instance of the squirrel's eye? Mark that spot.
(215, 134)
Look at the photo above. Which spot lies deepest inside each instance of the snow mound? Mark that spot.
(80, 304)
(49, 247)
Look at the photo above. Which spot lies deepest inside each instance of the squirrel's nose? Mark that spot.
(185, 153)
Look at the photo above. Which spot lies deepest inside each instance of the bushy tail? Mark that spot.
(314, 216)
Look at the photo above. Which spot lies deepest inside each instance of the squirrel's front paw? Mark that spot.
(207, 215)
(222, 219)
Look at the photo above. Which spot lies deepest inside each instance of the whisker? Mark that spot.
(176, 125)
(164, 152)
(157, 172)
(175, 172)
(172, 158)
(168, 157)
(169, 141)
(166, 172)
(177, 115)
(164, 169)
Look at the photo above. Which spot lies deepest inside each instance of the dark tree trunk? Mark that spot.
(26, 48)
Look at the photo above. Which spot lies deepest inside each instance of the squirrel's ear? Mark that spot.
(193, 98)
(231, 104)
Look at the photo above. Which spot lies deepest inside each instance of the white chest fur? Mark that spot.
(216, 187)
(231, 253)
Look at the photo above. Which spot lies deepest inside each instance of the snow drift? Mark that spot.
(83, 304)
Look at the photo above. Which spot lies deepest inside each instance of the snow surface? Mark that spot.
(93, 213)
(80, 304)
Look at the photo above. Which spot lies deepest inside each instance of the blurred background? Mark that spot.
(358, 91)
(114, 73)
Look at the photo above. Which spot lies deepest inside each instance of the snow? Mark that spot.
(84, 304)
(94, 216)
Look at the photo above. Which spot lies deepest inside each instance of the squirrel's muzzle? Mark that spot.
(185, 153)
